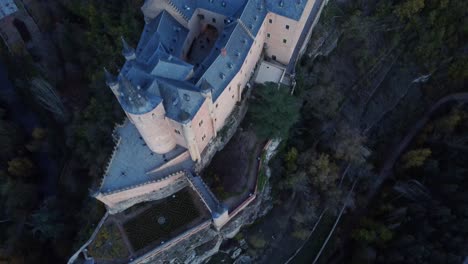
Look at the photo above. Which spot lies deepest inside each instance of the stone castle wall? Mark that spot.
(156, 190)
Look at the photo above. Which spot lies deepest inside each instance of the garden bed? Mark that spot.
(108, 244)
(163, 220)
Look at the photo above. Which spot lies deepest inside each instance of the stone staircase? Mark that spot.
(177, 10)
(205, 193)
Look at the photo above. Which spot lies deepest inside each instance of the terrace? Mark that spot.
(133, 161)
(146, 226)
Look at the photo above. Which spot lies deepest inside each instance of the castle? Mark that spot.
(192, 65)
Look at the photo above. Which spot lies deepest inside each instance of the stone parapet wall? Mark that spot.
(155, 190)
(186, 245)
(177, 160)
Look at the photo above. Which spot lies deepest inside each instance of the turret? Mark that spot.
(145, 111)
(112, 82)
(127, 51)
(133, 99)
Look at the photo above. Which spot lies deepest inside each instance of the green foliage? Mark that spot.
(108, 244)
(93, 135)
(10, 138)
(273, 112)
(47, 220)
(93, 41)
(409, 8)
(300, 233)
(416, 158)
(290, 159)
(21, 167)
(239, 236)
(261, 180)
(39, 133)
(348, 145)
(20, 196)
(324, 172)
(257, 241)
(446, 124)
(372, 232)
(322, 101)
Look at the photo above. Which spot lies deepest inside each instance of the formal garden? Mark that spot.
(163, 220)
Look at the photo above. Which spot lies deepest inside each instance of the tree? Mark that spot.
(21, 167)
(46, 221)
(273, 111)
(409, 8)
(48, 98)
(348, 145)
(323, 172)
(323, 101)
(415, 158)
(9, 138)
(290, 158)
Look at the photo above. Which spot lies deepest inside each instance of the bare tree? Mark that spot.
(48, 98)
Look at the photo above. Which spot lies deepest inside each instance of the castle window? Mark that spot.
(270, 21)
(201, 16)
(200, 124)
(203, 138)
(217, 105)
(268, 35)
(287, 27)
(232, 96)
(273, 57)
(284, 41)
(229, 88)
(214, 20)
(177, 131)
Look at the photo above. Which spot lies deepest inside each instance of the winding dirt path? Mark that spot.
(394, 155)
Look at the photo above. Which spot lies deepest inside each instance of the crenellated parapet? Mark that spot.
(121, 199)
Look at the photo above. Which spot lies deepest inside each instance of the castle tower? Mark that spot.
(146, 112)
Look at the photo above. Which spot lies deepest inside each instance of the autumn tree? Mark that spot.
(415, 158)
(323, 172)
(21, 167)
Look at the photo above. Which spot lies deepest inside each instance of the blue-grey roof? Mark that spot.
(253, 15)
(226, 66)
(158, 75)
(231, 8)
(132, 160)
(228, 8)
(165, 30)
(181, 100)
(135, 100)
(288, 8)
